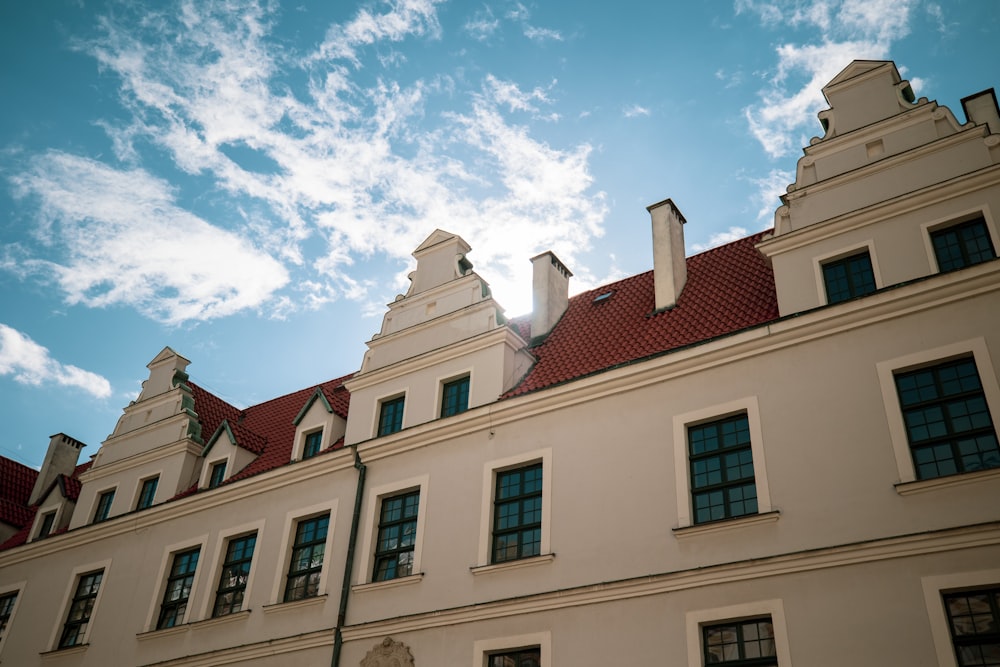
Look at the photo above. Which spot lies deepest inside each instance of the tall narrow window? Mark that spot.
(848, 277)
(48, 519)
(104, 506)
(390, 418)
(948, 423)
(178, 591)
(963, 245)
(974, 619)
(312, 444)
(80, 609)
(517, 514)
(722, 476)
(217, 475)
(6, 611)
(526, 657)
(307, 558)
(741, 643)
(147, 493)
(235, 573)
(397, 536)
(455, 397)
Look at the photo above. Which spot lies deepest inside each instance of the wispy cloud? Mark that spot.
(30, 364)
(482, 25)
(521, 14)
(721, 238)
(634, 111)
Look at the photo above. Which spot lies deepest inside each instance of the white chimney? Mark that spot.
(981, 108)
(60, 459)
(669, 265)
(549, 292)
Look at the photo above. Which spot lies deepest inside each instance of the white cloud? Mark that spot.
(482, 24)
(720, 238)
(769, 191)
(405, 18)
(634, 111)
(31, 364)
(541, 34)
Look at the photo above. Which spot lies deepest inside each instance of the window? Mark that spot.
(947, 421)
(517, 514)
(390, 417)
(848, 277)
(235, 573)
(455, 397)
(722, 472)
(104, 506)
(81, 609)
(218, 474)
(962, 245)
(178, 591)
(312, 444)
(527, 657)
(147, 493)
(307, 558)
(6, 611)
(974, 621)
(397, 536)
(48, 519)
(744, 643)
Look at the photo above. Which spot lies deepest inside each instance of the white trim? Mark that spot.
(373, 505)
(292, 519)
(849, 251)
(303, 432)
(695, 620)
(957, 218)
(377, 417)
(890, 397)
(217, 557)
(933, 588)
(138, 490)
(481, 648)
(490, 470)
(7, 589)
(97, 500)
(206, 469)
(74, 580)
(36, 528)
(166, 562)
(682, 475)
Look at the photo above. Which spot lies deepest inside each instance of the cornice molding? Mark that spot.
(161, 452)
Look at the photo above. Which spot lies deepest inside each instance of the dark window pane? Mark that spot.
(397, 534)
(849, 277)
(963, 245)
(517, 514)
(722, 474)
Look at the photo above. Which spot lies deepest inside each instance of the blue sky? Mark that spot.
(245, 181)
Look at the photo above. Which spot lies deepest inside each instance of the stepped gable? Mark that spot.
(16, 483)
(728, 288)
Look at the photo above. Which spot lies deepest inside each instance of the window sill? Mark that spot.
(294, 604)
(163, 632)
(725, 524)
(513, 564)
(220, 620)
(961, 479)
(391, 583)
(69, 650)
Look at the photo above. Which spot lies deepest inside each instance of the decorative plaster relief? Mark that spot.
(389, 653)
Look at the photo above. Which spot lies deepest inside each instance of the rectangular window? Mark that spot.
(6, 611)
(48, 519)
(81, 609)
(849, 277)
(722, 473)
(526, 657)
(948, 424)
(104, 506)
(218, 474)
(397, 536)
(147, 493)
(455, 397)
(517, 514)
(962, 245)
(743, 643)
(307, 558)
(178, 591)
(235, 573)
(390, 418)
(312, 444)
(974, 620)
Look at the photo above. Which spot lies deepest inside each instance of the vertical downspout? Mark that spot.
(338, 637)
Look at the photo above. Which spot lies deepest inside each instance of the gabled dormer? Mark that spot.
(873, 195)
(317, 427)
(154, 451)
(230, 449)
(444, 347)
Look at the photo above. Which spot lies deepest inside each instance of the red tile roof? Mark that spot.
(728, 288)
(16, 482)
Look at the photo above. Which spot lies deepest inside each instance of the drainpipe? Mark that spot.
(338, 637)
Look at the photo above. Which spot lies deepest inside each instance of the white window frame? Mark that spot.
(682, 469)
(820, 260)
(292, 519)
(934, 589)
(217, 557)
(18, 588)
(697, 619)
(373, 506)
(377, 417)
(927, 228)
(490, 470)
(138, 489)
(166, 561)
(442, 381)
(482, 648)
(300, 439)
(67, 600)
(206, 470)
(116, 500)
(36, 529)
(887, 370)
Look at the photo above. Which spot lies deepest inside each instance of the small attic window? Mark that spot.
(464, 265)
(601, 298)
(908, 94)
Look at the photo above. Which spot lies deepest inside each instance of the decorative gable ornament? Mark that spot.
(389, 653)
